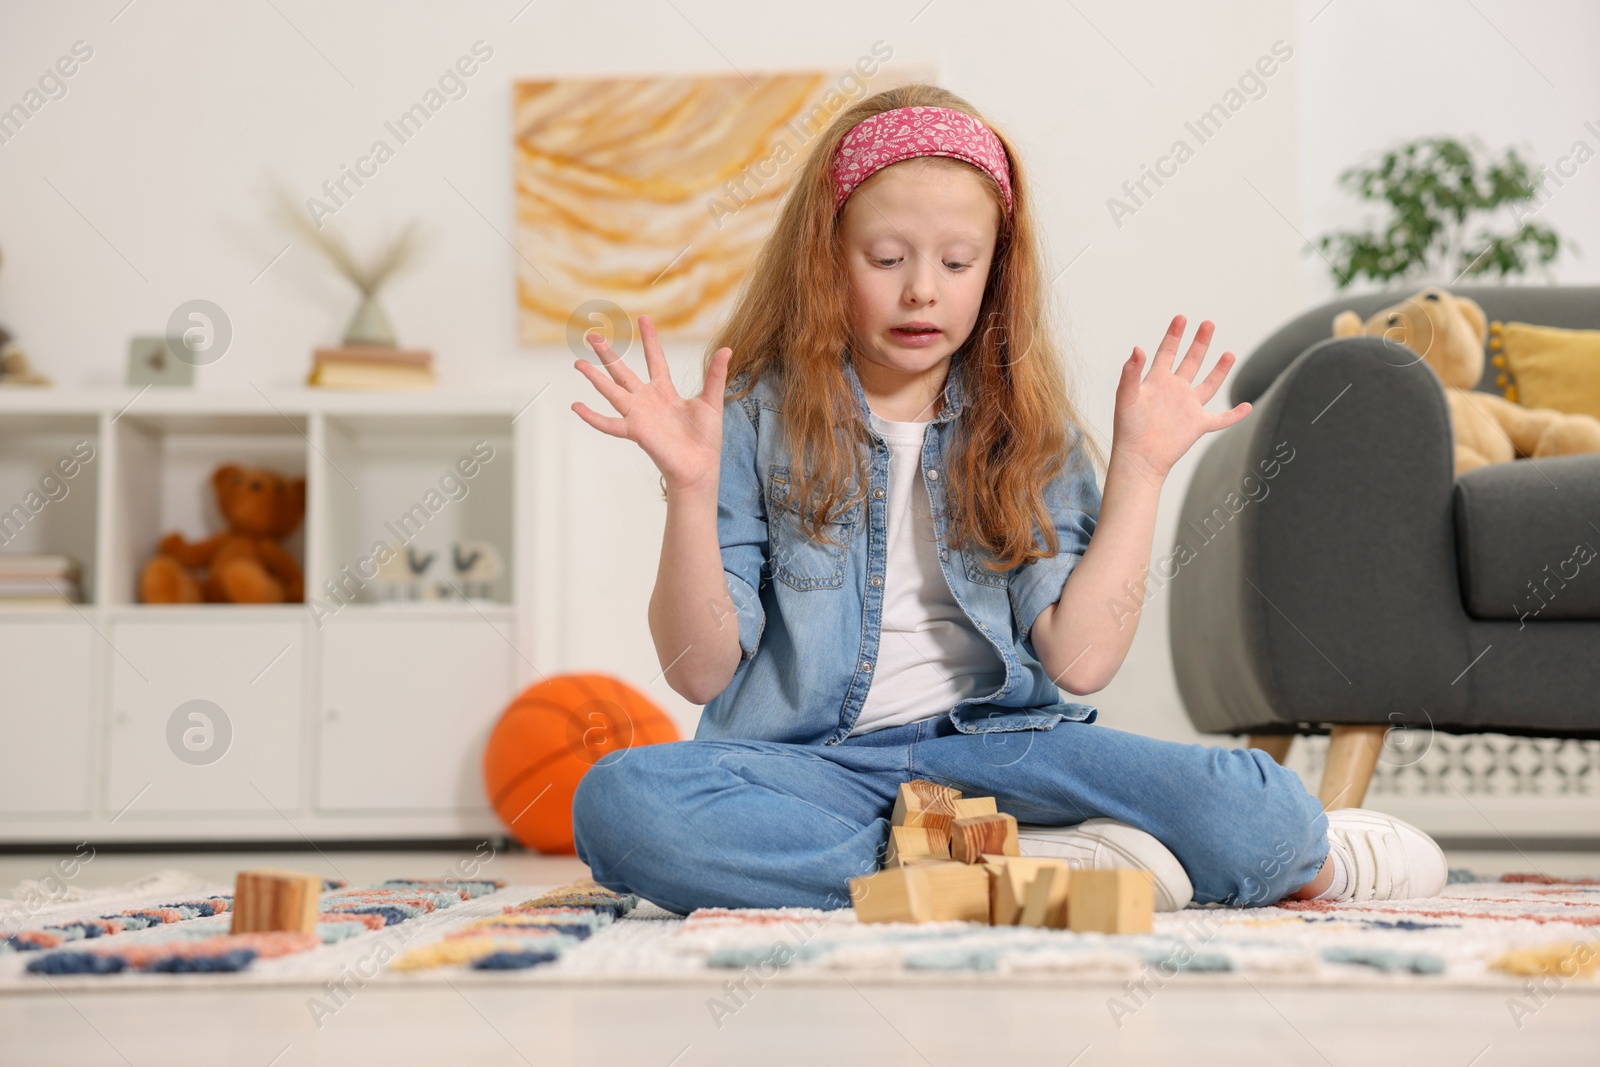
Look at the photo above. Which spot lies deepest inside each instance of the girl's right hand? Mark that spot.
(682, 437)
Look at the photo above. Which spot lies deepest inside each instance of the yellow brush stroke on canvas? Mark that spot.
(655, 193)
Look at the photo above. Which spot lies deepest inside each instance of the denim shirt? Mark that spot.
(809, 614)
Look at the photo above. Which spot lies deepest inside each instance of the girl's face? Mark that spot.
(918, 240)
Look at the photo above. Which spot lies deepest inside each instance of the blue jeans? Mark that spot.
(762, 824)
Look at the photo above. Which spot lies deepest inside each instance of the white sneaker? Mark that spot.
(1386, 858)
(1102, 843)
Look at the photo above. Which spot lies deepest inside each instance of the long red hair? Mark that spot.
(791, 320)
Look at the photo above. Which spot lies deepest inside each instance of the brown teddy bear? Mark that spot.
(1448, 332)
(247, 565)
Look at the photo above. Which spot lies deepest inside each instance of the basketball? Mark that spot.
(549, 738)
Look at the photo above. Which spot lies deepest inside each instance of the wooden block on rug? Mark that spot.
(269, 900)
(1111, 901)
(914, 843)
(1046, 901)
(1009, 879)
(973, 835)
(922, 892)
(924, 803)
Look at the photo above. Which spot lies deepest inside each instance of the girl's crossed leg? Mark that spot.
(762, 824)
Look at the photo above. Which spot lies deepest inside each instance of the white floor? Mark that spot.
(656, 1027)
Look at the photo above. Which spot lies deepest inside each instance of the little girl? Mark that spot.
(886, 555)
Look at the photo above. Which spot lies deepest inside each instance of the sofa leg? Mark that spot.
(1352, 756)
(1274, 745)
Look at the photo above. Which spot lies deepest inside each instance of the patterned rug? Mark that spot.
(1523, 932)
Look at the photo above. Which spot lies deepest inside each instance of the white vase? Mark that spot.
(370, 326)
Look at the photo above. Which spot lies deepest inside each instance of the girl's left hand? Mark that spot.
(1159, 416)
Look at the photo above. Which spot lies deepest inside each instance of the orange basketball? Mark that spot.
(549, 738)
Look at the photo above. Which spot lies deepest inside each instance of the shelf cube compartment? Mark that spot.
(50, 474)
(163, 481)
(413, 511)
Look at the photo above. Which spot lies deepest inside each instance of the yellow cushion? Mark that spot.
(1549, 367)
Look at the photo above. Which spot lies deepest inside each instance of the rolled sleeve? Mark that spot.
(742, 522)
(1073, 499)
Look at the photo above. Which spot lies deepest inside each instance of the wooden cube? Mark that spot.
(1113, 901)
(1046, 901)
(922, 892)
(973, 835)
(924, 803)
(269, 900)
(1010, 878)
(916, 842)
(968, 806)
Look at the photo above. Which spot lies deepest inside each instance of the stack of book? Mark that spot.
(33, 581)
(371, 367)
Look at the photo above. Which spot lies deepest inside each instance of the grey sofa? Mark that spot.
(1357, 584)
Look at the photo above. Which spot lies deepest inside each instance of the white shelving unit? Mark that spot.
(345, 719)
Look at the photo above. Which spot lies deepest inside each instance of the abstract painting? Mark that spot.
(653, 194)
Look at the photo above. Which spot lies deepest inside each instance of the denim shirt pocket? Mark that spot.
(797, 560)
(976, 560)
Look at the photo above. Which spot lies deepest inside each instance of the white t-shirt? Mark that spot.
(930, 656)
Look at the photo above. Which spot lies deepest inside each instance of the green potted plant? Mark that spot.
(1453, 211)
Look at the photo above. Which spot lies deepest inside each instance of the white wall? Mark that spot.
(1514, 74)
(147, 185)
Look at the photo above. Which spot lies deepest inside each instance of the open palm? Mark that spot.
(682, 436)
(1160, 415)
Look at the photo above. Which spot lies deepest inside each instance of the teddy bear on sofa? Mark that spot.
(246, 565)
(1449, 332)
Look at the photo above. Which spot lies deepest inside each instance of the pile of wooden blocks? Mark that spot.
(955, 858)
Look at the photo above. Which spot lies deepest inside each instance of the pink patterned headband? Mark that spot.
(906, 132)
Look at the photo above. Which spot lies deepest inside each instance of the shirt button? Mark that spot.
(866, 665)
(877, 493)
(933, 475)
(875, 581)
